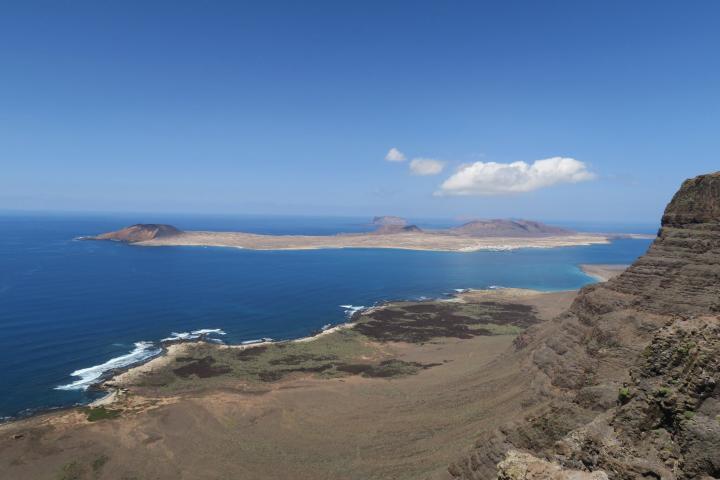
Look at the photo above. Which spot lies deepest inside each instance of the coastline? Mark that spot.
(304, 395)
(118, 382)
(171, 351)
(113, 384)
(603, 272)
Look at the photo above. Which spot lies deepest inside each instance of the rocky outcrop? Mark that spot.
(522, 466)
(508, 228)
(140, 232)
(625, 382)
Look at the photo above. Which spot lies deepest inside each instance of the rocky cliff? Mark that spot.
(624, 384)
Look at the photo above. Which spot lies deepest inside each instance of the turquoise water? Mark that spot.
(70, 305)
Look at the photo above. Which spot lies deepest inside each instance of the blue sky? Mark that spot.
(291, 107)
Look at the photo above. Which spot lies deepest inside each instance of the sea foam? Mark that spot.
(351, 309)
(142, 351)
(193, 335)
(87, 376)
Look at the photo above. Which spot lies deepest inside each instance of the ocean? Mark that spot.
(71, 310)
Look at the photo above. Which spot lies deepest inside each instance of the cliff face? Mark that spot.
(139, 233)
(624, 383)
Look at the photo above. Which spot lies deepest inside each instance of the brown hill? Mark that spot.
(508, 228)
(625, 384)
(140, 232)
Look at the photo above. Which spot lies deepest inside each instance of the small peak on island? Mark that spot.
(500, 227)
(387, 220)
(140, 232)
(390, 224)
(385, 229)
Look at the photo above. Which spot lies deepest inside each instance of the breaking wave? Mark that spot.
(87, 376)
(351, 309)
(143, 351)
(194, 335)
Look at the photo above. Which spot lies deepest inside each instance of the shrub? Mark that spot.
(100, 413)
(662, 392)
(624, 395)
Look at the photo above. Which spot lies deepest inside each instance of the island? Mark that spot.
(615, 381)
(391, 232)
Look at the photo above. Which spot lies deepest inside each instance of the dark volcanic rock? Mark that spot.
(419, 323)
(140, 232)
(652, 336)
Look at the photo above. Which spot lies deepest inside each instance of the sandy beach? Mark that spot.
(603, 273)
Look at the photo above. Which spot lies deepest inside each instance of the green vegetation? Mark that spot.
(662, 392)
(356, 351)
(688, 414)
(342, 353)
(684, 350)
(623, 395)
(263, 363)
(100, 413)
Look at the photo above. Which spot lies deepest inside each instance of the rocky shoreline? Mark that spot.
(112, 383)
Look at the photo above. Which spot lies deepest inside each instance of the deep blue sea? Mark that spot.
(82, 307)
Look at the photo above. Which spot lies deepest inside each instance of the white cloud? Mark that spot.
(395, 155)
(491, 178)
(426, 166)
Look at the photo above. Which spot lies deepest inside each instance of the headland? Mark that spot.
(394, 367)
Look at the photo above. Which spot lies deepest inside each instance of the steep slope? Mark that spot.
(624, 383)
